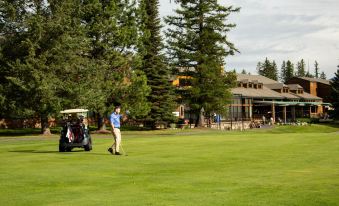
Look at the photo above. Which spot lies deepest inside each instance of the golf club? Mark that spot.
(123, 150)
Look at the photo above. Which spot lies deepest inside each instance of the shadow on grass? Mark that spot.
(33, 151)
(25, 132)
(57, 152)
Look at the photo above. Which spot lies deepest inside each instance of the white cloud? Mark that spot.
(282, 30)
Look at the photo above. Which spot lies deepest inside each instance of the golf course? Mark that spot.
(286, 165)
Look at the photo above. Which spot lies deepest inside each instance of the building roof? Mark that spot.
(252, 78)
(267, 92)
(294, 86)
(289, 95)
(275, 86)
(257, 93)
(323, 81)
(307, 96)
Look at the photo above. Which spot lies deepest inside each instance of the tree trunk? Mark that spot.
(45, 130)
(101, 125)
(200, 120)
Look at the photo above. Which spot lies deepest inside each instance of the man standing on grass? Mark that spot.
(115, 124)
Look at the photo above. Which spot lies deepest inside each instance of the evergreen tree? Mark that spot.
(322, 75)
(283, 72)
(308, 74)
(197, 39)
(268, 69)
(301, 68)
(316, 69)
(259, 68)
(111, 27)
(335, 93)
(274, 72)
(263, 68)
(38, 68)
(289, 70)
(158, 74)
(69, 53)
(243, 71)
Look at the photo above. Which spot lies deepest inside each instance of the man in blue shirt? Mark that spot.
(115, 118)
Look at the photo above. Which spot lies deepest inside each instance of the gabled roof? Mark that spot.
(323, 81)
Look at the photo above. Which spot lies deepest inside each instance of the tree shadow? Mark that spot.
(36, 151)
(25, 132)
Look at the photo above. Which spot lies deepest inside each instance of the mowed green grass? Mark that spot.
(283, 166)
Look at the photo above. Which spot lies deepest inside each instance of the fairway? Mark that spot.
(282, 166)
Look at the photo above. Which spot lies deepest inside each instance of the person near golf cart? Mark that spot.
(115, 119)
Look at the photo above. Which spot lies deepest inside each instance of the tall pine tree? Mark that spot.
(316, 70)
(283, 72)
(274, 71)
(197, 39)
(335, 93)
(162, 97)
(268, 69)
(289, 70)
(301, 68)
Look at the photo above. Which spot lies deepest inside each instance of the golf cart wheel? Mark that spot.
(62, 148)
(88, 146)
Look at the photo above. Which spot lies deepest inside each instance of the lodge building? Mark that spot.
(256, 97)
(260, 96)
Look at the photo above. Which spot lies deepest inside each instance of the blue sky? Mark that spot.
(282, 30)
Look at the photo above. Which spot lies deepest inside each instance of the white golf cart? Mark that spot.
(75, 132)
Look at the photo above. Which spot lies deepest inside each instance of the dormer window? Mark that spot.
(300, 91)
(255, 86)
(250, 85)
(259, 86)
(239, 84)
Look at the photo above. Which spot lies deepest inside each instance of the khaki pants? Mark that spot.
(117, 139)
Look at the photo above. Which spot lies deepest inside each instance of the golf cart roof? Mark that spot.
(70, 111)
